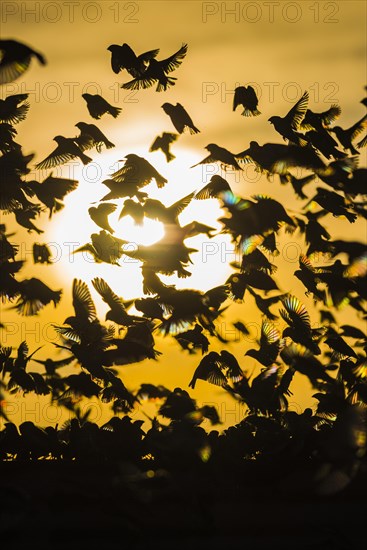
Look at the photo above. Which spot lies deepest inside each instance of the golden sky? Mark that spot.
(283, 48)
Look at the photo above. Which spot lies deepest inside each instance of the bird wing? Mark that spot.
(177, 207)
(329, 116)
(108, 296)
(239, 97)
(58, 156)
(358, 127)
(82, 301)
(175, 60)
(298, 111)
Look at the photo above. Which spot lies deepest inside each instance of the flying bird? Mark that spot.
(65, 151)
(104, 248)
(246, 96)
(124, 58)
(214, 189)
(91, 136)
(15, 59)
(157, 72)
(97, 106)
(221, 155)
(163, 143)
(347, 135)
(117, 312)
(14, 108)
(180, 118)
(99, 214)
(288, 125)
(34, 295)
(138, 170)
(319, 121)
(52, 191)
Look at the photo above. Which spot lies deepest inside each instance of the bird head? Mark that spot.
(272, 119)
(113, 47)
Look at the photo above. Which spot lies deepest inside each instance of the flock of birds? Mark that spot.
(332, 358)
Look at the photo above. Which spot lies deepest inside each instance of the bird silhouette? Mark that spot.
(41, 254)
(347, 135)
(213, 190)
(91, 136)
(299, 330)
(162, 143)
(156, 72)
(319, 121)
(97, 106)
(334, 203)
(117, 312)
(14, 108)
(138, 170)
(52, 191)
(270, 344)
(124, 58)
(180, 118)
(104, 248)
(99, 214)
(24, 217)
(246, 96)
(34, 296)
(221, 155)
(66, 150)
(133, 209)
(288, 125)
(15, 59)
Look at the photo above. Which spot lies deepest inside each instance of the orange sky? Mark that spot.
(282, 48)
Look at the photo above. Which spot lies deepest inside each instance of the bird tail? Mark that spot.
(351, 217)
(251, 112)
(161, 181)
(165, 82)
(114, 111)
(194, 130)
(169, 156)
(109, 144)
(85, 159)
(41, 58)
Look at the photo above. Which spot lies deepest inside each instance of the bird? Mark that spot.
(34, 295)
(138, 170)
(209, 370)
(91, 136)
(15, 59)
(297, 183)
(24, 217)
(14, 108)
(133, 209)
(180, 118)
(270, 344)
(65, 151)
(319, 121)
(303, 360)
(299, 330)
(124, 58)
(104, 248)
(347, 135)
(163, 143)
(246, 96)
(41, 254)
(99, 214)
(193, 339)
(221, 155)
(156, 210)
(333, 202)
(52, 191)
(156, 72)
(117, 312)
(288, 125)
(278, 158)
(97, 106)
(214, 189)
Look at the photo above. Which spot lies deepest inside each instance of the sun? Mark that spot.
(72, 227)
